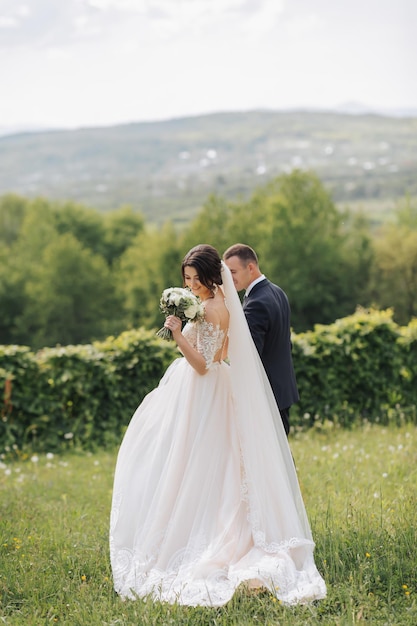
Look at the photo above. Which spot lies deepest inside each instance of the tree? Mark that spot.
(121, 228)
(303, 248)
(38, 229)
(70, 296)
(359, 255)
(86, 225)
(406, 213)
(12, 212)
(149, 265)
(33, 230)
(394, 273)
(211, 225)
(12, 296)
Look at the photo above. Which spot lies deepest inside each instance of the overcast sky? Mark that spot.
(69, 63)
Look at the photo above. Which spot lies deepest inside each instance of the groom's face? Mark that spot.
(241, 274)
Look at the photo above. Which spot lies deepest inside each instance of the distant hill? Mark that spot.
(167, 169)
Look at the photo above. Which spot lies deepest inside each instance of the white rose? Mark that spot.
(175, 298)
(192, 311)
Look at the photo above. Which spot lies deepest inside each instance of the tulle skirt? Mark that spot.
(182, 525)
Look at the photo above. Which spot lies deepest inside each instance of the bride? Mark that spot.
(206, 495)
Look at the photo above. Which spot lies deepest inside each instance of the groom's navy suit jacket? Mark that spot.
(268, 313)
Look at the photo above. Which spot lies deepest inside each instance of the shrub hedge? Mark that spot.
(361, 367)
(80, 395)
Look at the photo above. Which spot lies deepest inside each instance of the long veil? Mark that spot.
(276, 507)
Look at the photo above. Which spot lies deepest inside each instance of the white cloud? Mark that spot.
(265, 19)
(134, 6)
(85, 27)
(13, 15)
(8, 22)
(23, 10)
(302, 25)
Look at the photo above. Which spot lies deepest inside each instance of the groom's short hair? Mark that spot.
(245, 253)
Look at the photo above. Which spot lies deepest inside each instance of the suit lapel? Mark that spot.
(258, 286)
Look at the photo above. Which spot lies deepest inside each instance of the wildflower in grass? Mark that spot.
(49, 455)
(17, 543)
(406, 590)
(368, 556)
(68, 435)
(84, 578)
(34, 458)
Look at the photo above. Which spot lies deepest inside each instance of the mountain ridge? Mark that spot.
(168, 168)
(348, 107)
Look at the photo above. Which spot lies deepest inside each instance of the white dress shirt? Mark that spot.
(253, 283)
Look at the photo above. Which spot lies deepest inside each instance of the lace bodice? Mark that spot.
(205, 338)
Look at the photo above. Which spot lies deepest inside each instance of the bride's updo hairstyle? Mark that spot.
(206, 261)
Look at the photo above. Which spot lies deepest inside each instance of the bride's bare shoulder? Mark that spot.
(216, 310)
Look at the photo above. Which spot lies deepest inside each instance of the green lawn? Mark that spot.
(360, 491)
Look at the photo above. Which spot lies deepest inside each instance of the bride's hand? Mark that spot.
(174, 324)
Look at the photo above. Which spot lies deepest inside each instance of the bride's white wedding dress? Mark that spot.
(205, 490)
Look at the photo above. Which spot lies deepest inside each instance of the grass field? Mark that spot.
(360, 489)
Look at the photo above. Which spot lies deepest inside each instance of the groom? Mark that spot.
(267, 311)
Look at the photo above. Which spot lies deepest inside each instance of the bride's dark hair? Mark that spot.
(206, 260)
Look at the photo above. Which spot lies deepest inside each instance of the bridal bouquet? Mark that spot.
(182, 303)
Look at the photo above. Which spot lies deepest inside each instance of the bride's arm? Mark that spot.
(225, 352)
(195, 358)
